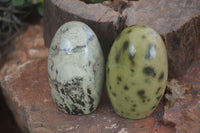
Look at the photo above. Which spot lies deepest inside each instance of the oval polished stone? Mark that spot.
(137, 71)
(76, 69)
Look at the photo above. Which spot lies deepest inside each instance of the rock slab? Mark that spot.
(25, 86)
(176, 21)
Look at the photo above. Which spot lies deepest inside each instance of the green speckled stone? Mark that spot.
(76, 69)
(137, 71)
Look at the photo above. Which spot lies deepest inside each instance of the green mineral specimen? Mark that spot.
(76, 69)
(136, 72)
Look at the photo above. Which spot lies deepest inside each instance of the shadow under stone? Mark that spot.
(7, 121)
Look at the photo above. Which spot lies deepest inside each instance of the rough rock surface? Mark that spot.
(7, 123)
(184, 115)
(25, 86)
(176, 21)
(108, 20)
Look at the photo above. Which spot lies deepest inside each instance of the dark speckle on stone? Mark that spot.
(119, 79)
(72, 99)
(131, 57)
(56, 71)
(148, 55)
(89, 63)
(149, 71)
(63, 30)
(62, 91)
(108, 70)
(67, 110)
(150, 51)
(114, 94)
(54, 48)
(141, 92)
(134, 105)
(76, 110)
(56, 87)
(125, 46)
(110, 87)
(77, 48)
(63, 99)
(133, 110)
(91, 102)
(153, 107)
(129, 31)
(76, 99)
(143, 36)
(132, 70)
(52, 67)
(117, 57)
(161, 76)
(126, 87)
(158, 98)
(67, 84)
(88, 91)
(141, 95)
(158, 90)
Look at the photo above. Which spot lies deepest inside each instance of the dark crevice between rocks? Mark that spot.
(116, 5)
(7, 121)
(92, 1)
(159, 112)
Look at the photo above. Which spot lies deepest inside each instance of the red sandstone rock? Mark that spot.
(184, 114)
(177, 21)
(25, 85)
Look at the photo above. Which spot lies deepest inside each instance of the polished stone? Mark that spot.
(76, 68)
(137, 71)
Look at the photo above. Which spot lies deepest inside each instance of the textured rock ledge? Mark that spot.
(176, 21)
(24, 83)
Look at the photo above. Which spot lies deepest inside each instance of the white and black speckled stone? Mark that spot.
(76, 69)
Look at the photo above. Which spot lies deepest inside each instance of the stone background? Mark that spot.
(24, 86)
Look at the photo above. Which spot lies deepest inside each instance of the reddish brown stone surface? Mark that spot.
(28, 95)
(24, 84)
(177, 21)
(184, 115)
(7, 123)
(108, 21)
